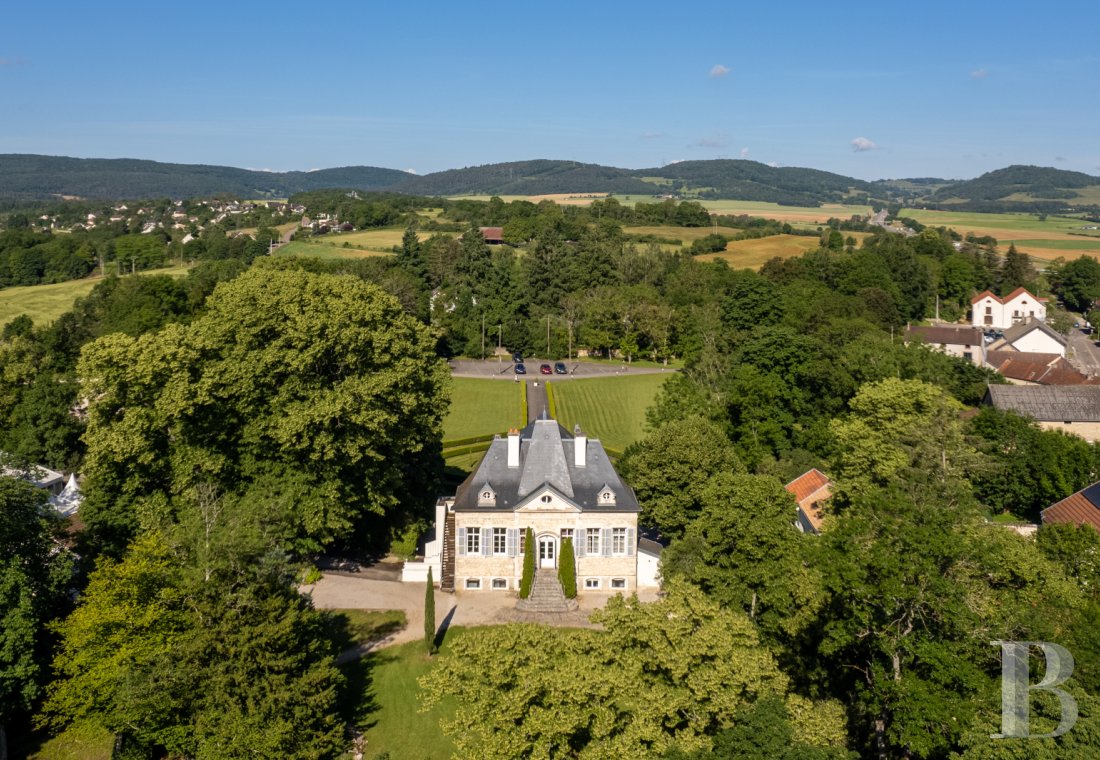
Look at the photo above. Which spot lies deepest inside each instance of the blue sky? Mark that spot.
(864, 89)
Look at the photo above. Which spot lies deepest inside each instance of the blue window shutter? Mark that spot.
(511, 542)
(460, 542)
(630, 542)
(606, 542)
(486, 542)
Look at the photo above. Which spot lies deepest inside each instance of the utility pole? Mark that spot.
(483, 337)
(500, 345)
(547, 336)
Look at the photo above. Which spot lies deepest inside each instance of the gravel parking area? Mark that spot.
(491, 368)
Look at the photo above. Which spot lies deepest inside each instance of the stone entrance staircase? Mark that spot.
(546, 595)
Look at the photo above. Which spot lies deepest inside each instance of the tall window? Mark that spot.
(592, 544)
(618, 540)
(566, 533)
(500, 540)
(522, 540)
(473, 540)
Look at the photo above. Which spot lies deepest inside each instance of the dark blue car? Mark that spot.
(520, 369)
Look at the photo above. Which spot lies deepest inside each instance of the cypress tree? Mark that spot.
(429, 615)
(567, 569)
(528, 565)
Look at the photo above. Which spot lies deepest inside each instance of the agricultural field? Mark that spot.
(752, 254)
(1048, 239)
(483, 407)
(45, 303)
(802, 215)
(329, 250)
(565, 199)
(685, 234)
(609, 408)
(380, 240)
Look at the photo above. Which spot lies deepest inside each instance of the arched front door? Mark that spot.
(548, 551)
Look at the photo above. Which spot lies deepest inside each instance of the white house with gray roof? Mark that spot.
(559, 484)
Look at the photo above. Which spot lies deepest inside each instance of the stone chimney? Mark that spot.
(513, 448)
(580, 447)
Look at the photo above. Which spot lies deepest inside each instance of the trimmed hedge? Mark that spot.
(567, 569)
(465, 441)
(528, 576)
(448, 453)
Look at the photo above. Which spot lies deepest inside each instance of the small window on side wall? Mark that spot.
(473, 583)
(618, 583)
(500, 583)
(591, 582)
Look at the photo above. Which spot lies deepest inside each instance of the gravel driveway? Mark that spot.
(463, 609)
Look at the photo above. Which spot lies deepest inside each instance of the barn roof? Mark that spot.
(1048, 403)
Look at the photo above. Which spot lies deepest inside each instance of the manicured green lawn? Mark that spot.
(483, 407)
(609, 408)
(396, 725)
(362, 626)
(45, 303)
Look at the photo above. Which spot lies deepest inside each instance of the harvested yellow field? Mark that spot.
(751, 254)
(793, 214)
(686, 234)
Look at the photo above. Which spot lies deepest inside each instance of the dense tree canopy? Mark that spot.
(316, 391)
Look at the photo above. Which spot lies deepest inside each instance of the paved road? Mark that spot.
(503, 370)
(537, 400)
(1084, 353)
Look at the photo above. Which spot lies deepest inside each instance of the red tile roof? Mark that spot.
(1000, 300)
(492, 233)
(1077, 509)
(1044, 369)
(809, 490)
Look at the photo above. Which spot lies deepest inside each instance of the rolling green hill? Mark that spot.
(1025, 185)
(31, 176)
(1015, 188)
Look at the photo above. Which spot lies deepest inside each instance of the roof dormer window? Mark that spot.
(606, 496)
(487, 497)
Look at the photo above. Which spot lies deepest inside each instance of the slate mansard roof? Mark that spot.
(546, 459)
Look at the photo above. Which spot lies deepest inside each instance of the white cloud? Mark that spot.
(861, 144)
(744, 153)
(773, 164)
(262, 169)
(718, 70)
(675, 161)
(409, 171)
(979, 74)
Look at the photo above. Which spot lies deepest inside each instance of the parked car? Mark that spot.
(559, 368)
(517, 358)
(520, 369)
(544, 369)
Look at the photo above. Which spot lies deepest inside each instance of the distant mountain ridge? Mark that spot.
(25, 176)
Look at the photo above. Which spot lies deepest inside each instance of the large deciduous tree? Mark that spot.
(668, 674)
(34, 577)
(317, 390)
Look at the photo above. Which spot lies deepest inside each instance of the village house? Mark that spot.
(955, 340)
(560, 485)
(810, 489)
(1037, 369)
(1081, 508)
(992, 312)
(1072, 409)
(1031, 336)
